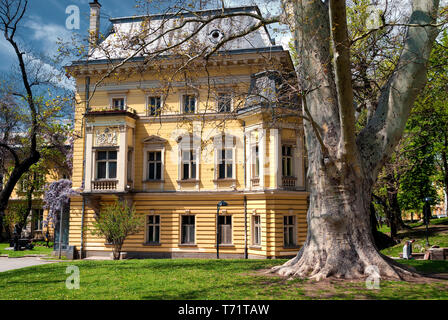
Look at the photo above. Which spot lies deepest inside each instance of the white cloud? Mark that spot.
(47, 33)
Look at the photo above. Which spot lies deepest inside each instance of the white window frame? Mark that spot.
(148, 111)
(113, 97)
(251, 142)
(219, 160)
(256, 226)
(188, 146)
(154, 225)
(155, 162)
(107, 167)
(291, 158)
(40, 222)
(221, 230)
(182, 105)
(181, 229)
(217, 101)
(192, 152)
(286, 232)
(153, 147)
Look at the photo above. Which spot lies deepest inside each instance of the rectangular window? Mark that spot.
(188, 164)
(154, 104)
(118, 103)
(38, 219)
(225, 163)
(224, 102)
(106, 165)
(287, 161)
(155, 165)
(189, 103)
(153, 229)
(188, 223)
(256, 230)
(255, 162)
(289, 231)
(225, 229)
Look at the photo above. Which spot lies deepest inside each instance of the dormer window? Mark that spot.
(215, 36)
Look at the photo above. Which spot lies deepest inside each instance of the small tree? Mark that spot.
(115, 223)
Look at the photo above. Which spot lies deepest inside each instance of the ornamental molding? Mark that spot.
(106, 137)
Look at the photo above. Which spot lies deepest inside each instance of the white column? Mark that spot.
(299, 161)
(276, 158)
(122, 162)
(89, 160)
(248, 160)
(262, 154)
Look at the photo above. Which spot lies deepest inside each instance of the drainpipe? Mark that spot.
(84, 169)
(245, 198)
(246, 255)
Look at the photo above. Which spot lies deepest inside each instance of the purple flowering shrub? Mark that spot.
(56, 195)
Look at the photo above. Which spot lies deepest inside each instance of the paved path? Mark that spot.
(17, 263)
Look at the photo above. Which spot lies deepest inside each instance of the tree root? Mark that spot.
(311, 267)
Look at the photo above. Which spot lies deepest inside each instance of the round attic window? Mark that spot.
(215, 36)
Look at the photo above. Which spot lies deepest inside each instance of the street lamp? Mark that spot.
(222, 203)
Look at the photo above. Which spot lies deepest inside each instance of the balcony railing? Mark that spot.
(255, 182)
(113, 108)
(104, 185)
(289, 182)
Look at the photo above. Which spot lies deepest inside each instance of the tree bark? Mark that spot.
(341, 174)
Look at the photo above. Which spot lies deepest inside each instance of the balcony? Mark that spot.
(104, 185)
(289, 182)
(111, 110)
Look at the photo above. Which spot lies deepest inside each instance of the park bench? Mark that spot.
(23, 243)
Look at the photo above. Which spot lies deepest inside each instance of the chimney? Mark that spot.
(94, 29)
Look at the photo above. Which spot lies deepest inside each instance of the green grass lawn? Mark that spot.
(199, 279)
(13, 254)
(438, 235)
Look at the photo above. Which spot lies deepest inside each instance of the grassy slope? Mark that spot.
(438, 235)
(196, 279)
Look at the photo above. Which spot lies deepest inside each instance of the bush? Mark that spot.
(115, 223)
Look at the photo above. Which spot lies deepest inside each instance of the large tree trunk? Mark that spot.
(342, 166)
(339, 241)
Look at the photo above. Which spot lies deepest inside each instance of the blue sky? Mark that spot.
(45, 21)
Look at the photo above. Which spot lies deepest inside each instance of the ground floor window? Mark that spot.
(153, 229)
(289, 231)
(38, 219)
(225, 229)
(256, 230)
(188, 229)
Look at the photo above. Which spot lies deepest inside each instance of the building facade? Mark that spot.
(175, 144)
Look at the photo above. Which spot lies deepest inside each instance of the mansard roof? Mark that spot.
(117, 40)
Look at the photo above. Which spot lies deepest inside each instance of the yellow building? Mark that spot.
(176, 145)
(38, 223)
